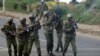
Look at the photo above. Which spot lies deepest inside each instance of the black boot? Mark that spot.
(20, 54)
(39, 51)
(57, 50)
(39, 54)
(51, 54)
(25, 54)
(63, 54)
(10, 54)
(61, 50)
(74, 54)
(15, 54)
(28, 55)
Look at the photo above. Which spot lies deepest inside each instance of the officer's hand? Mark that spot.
(68, 29)
(26, 30)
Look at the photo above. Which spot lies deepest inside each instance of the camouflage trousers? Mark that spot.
(69, 38)
(49, 39)
(22, 48)
(59, 42)
(9, 43)
(37, 43)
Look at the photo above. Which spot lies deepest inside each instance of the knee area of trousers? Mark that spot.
(9, 50)
(38, 48)
(15, 47)
(15, 51)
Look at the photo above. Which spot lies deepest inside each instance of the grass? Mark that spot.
(86, 17)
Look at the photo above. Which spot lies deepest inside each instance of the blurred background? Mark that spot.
(87, 10)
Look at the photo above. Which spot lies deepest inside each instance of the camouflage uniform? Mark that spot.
(59, 30)
(23, 36)
(48, 31)
(70, 34)
(58, 24)
(34, 36)
(10, 31)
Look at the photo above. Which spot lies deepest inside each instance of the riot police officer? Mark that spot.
(34, 36)
(70, 33)
(9, 30)
(23, 36)
(58, 25)
(48, 31)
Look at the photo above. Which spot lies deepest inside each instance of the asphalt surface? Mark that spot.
(86, 45)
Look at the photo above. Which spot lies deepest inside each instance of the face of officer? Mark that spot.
(32, 19)
(70, 19)
(23, 22)
(10, 22)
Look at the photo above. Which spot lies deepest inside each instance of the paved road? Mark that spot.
(86, 45)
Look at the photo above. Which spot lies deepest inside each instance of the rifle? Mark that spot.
(75, 24)
(51, 15)
(10, 32)
(30, 28)
(57, 21)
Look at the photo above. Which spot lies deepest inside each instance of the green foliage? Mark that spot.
(97, 4)
(78, 10)
(88, 3)
(86, 16)
(51, 5)
(9, 4)
(49, 0)
(0, 3)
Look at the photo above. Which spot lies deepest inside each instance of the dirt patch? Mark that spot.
(13, 14)
(86, 31)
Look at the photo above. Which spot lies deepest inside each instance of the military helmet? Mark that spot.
(31, 15)
(45, 12)
(10, 18)
(69, 15)
(22, 18)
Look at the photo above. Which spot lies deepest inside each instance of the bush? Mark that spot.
(15, 6)
(0, 4)
(23, 6)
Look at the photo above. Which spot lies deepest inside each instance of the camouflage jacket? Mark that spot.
(69, 27)
(9, 30)
(35, 29)
(47, 24)
(23, 33)
(58, 24)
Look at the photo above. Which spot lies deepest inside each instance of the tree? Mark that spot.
(73, 2)
(88, 3)
(0, 3)
(49, 0)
